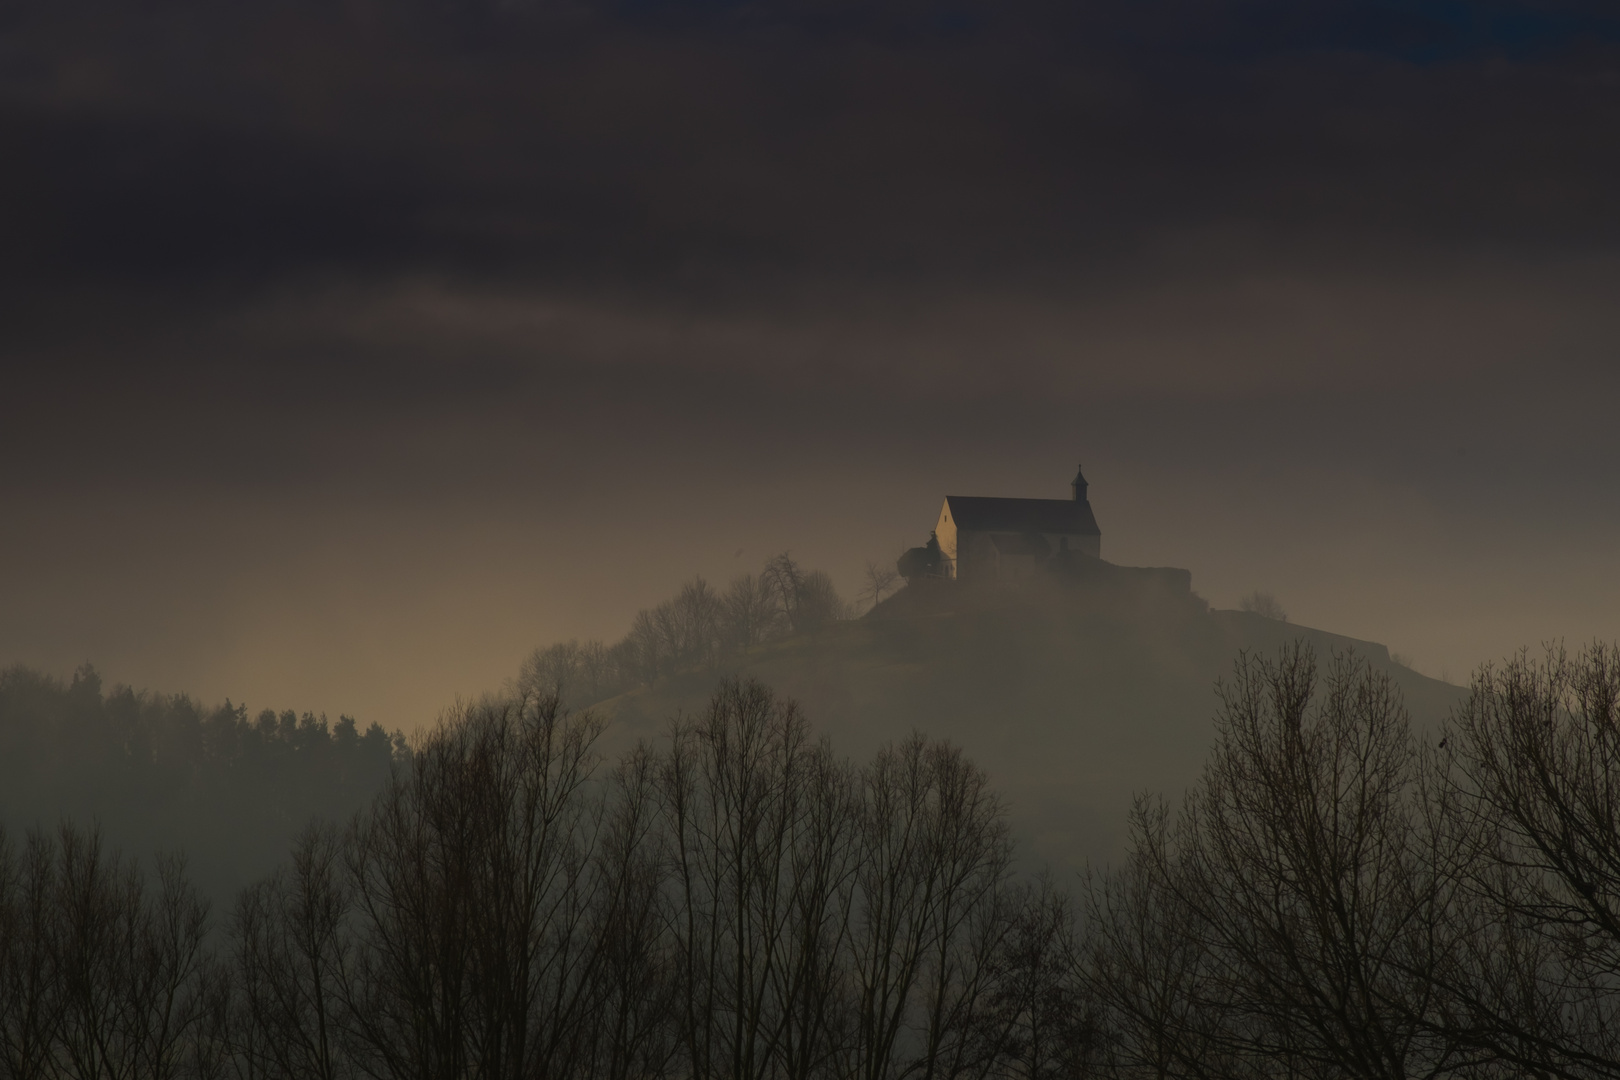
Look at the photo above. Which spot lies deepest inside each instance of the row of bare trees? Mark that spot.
(1337, 897)
(695, 630)
(103, 974)
(737, 902)
(1341, 898)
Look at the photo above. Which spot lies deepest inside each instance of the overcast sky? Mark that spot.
(352, 349)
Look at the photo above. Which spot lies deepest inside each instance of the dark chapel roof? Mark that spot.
(981, 514)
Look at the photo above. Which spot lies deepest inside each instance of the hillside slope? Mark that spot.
(1073, 700)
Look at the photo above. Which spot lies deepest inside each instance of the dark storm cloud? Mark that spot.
(186, 143)
(174, 164)
(203, 200)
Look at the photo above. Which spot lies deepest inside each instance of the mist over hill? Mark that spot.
(1074, 693)
(746, 885)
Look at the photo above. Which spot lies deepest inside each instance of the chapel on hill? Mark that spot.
(982, 537)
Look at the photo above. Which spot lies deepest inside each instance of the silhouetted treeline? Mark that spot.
(1335, 898)
(163, 772)
(737, 902)
(1339, 898)
(694, 630)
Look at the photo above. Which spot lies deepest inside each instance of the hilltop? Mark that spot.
(1075, 696)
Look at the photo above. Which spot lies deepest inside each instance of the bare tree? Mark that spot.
(101, 977)
(698, 614)
(880, 581)
(1044, 1022)
(751, 612)
(758, 822)
(552, 671)
(931, 911)
(644, 651)
(631, 1033)
(1533, 773)
(1303, 877)
(471, 881)
(1263, 604)
(293, 951)
(30, 982)
(1146, 965)
(692, 631)
(785, 579)
(598, 675)
(819, 603)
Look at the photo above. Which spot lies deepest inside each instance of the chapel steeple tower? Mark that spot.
(1078, 484)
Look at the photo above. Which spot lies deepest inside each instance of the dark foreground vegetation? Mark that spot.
(1334, 899)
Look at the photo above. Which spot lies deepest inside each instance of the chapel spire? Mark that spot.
(1078, 484)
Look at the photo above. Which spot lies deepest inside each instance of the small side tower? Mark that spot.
(1078, 484)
